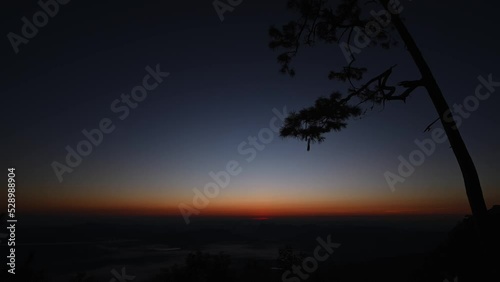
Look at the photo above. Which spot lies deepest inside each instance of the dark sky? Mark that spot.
(223, 84)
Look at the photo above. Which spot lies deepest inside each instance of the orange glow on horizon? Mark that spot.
(254, 207)
(252, 203)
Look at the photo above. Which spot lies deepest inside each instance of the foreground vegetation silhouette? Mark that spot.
(319, 23)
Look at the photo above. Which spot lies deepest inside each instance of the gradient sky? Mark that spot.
(223, 84)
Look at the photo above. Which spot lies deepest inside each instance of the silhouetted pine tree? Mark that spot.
(318, 22)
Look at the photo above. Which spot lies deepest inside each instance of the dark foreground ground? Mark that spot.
(392, 248)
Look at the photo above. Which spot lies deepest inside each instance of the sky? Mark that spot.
(222, 87)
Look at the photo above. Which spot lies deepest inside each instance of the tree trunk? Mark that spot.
(469, 173)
